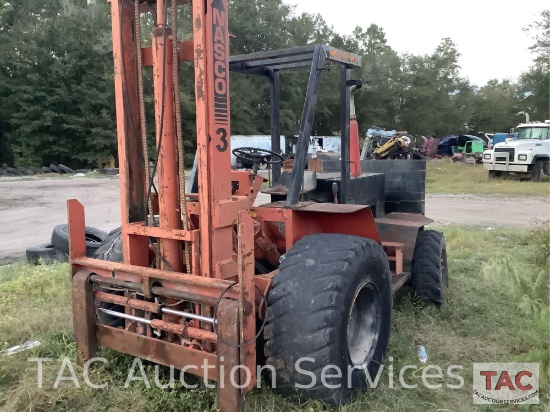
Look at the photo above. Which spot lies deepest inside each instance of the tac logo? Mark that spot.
(506, 383)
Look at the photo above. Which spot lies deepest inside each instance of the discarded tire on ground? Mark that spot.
(47, 169)
(14, 171)
(429, 272)
(330, 302)
(94, 237)
(55, 168)
(44, 253)
(110, 248)
(65, 168)
(109, 171)
(25, 171)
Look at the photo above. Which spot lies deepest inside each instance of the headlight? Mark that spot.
(487, 156)
(522, 157)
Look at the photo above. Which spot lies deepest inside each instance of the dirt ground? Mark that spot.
(29, 209)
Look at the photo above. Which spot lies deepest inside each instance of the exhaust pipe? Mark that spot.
(354, 155)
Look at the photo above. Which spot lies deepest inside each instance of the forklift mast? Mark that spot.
(187, 284)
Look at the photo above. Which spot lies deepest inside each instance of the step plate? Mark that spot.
(399, 280)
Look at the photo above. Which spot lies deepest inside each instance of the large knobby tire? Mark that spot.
(110, 248)
(330, 306)
(536, 171)
(429, 271)
(94, 237)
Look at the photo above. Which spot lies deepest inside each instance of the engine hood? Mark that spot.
(524, 144)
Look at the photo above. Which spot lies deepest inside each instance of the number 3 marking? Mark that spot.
(223, 138)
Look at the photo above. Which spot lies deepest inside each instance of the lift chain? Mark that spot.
(179, 133)
(142, 107)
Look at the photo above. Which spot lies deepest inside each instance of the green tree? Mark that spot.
(59, 83)
(377, 103)
(495, 107)
(534, 85)
(435, 100)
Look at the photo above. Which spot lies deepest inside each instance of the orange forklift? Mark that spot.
(207, 280)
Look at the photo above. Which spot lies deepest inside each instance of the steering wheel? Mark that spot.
(255, 155)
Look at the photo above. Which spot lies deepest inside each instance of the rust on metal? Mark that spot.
(263, 247)
(158, 351)
(183, 330)
(247, 312)
(117, 283)
(394, 251)
(405, 219)
(158, 274)
(200, 257)
(399, 280)
(186, 53)
(141, 229)
(230, 398)
(186, 296)
(77, 239)
(83, 316)
(167, 162)
(128, 302)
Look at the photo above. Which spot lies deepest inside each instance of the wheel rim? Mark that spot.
(363, 324)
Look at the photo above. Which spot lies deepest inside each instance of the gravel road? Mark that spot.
(29, 209)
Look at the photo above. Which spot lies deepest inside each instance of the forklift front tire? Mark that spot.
(329, 307)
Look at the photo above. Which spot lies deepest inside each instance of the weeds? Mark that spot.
(496, 311)
(541, 241)
(443, 176)
(527, 281)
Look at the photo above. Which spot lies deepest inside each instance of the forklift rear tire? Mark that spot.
(329, 317)
(429, 272)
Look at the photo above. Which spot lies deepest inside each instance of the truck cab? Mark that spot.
(527, 156)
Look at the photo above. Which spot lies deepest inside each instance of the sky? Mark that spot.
(488, 33)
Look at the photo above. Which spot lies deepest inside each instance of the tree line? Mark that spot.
(57, 90)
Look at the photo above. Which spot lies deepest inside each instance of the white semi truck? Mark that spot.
(527, 156)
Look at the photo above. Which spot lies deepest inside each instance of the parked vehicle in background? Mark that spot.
(456, 143)
(501, 137)
(528, 156)
(472, 152)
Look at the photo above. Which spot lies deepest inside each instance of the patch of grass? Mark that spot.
(492, 274)
(443, 176)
